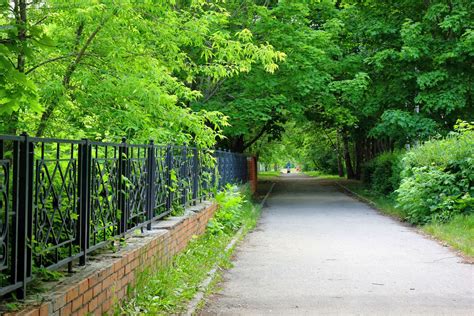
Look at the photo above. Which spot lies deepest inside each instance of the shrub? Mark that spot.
(424, 194)
(382, 173)
(438, 179)
(441, 152)
(228, 217)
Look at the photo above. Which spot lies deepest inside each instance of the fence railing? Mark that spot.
(62, 199)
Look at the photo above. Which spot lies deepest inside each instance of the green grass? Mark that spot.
(458, 233)
(167, 290)
(385, 204)
(267, 175)
(319, 174)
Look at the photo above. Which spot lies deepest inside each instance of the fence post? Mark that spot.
(123, 176)
(183, 175)
(246, 169)
(227, 167)
(195, 175)
(230, 167)
(24, 216)
(218, 172)
(14, 275)
(151, 194)
(234, 169)
(84, 157)
(169, 169)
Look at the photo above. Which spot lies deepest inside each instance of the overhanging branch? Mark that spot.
(258, 136)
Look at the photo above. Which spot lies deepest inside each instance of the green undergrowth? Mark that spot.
(168, 289)
(458, 232)
(268, 175)
(385, 204)
(322, 175)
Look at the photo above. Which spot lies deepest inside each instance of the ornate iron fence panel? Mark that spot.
(206, 167)
(5, 210)
(55, 204)
(181, 176)
(104, 186)
(160, 182)
(137, 185)
(11, 230)
(60, 199)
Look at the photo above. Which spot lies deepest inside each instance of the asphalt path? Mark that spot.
(318, 251)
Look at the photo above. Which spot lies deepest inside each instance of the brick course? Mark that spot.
(95, 287)
(252, 171)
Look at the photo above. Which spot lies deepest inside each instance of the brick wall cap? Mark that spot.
(163, 240)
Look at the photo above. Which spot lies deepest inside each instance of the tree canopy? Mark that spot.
(356, 77)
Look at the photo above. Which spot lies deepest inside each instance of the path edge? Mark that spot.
(193, 305)
(465, 258)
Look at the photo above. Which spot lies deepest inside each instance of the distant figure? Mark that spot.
(288, 167)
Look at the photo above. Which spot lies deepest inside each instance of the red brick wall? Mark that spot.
(94, 289)
(252, 169)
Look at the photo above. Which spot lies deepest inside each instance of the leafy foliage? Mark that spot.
(105, 69)
(438, 179)
(228, 217)
(382, 174)
(167, 289)
(347, 80)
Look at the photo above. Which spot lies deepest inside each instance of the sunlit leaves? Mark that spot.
(134, 68)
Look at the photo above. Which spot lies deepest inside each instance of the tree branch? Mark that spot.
(213, 90)
(329, 139)
(6, 41)
(47, 62)
(257, 137)
(72, 67)
(69, 71)
(21, 20)
(41, 20)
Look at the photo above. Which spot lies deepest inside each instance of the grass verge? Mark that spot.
(167, 290)
(267, 175)
(385, 204)
(319, 174)
(458, 233)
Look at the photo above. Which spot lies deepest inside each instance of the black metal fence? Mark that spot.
(62, 199)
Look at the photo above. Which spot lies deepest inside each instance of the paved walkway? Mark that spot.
(317, 251)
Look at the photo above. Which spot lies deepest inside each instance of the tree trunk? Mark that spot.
(239, 144)
(19, 11)
(80, 53)
(359, 155)
(340, 167)
(347, 158)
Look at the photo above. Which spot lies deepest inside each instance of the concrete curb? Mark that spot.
(267, 195)
(358, 196)
(379, 210)
(465, 258)
(204, 285)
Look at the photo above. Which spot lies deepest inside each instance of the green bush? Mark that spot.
(228, 217)
(438, 179)
(441, 153)
(382, 174)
